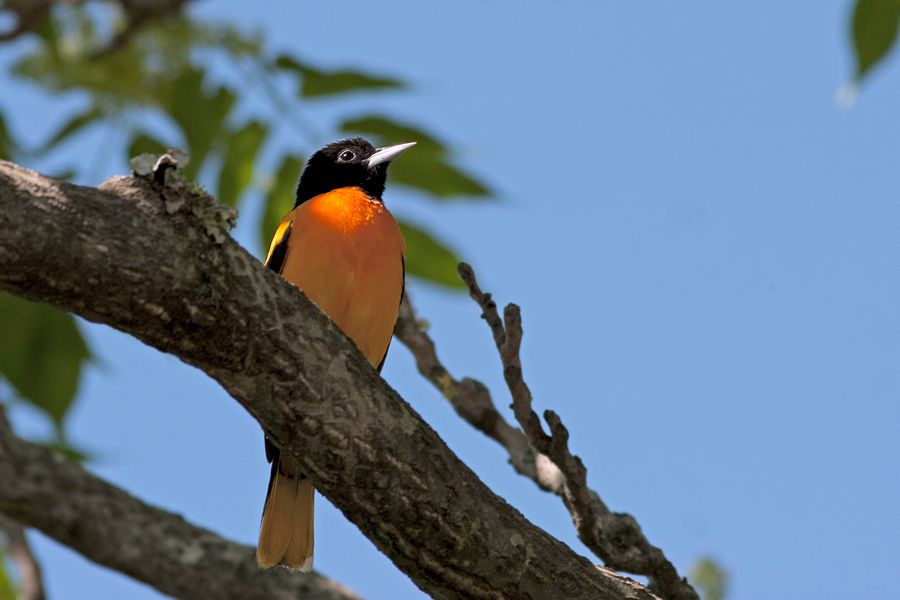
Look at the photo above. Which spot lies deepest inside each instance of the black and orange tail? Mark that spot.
(286, 532)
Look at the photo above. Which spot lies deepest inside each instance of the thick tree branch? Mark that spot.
(114, 529)
(115, 256)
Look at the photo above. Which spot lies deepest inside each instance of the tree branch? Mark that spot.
(616, 538)
(116, 256)
(114, 529)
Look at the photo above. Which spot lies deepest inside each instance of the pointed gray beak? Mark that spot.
(387, 154)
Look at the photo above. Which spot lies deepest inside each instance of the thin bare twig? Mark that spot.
(545, 458)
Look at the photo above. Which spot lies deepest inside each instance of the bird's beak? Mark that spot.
(387, 154)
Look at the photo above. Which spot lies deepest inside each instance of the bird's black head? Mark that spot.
(347, 163)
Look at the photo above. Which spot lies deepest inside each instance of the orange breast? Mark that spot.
(345, 252)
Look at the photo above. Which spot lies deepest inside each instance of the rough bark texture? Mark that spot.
(116, 256)
(116, 530)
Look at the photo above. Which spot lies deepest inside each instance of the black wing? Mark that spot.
(279, 247)
(402, 293)
(275, 261)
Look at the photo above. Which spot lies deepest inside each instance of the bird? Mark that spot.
(342, 247)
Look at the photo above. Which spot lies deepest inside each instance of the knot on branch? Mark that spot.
(181, 195)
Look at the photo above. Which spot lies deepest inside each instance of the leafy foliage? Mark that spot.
(201, 128)
(141, 73)
(41, 355)
(242, 147)
(42, 352)
(78, 123)
(158, 71)
(7, 589)
(428, 258)
(65, 448)
(280, 197)
(316, 83)
(144, 143)
(710, 579)
(874, 32)
(6, 142)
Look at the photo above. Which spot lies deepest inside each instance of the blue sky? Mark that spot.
(705, 248)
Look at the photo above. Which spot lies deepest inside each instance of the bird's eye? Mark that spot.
(346, 156)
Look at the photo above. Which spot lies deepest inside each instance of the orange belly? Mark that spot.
(346, 253)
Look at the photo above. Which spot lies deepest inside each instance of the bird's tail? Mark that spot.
(286, 532)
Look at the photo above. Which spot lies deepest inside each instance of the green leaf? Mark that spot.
(436, 176)
(41, 354)
(49, 33)
(242, 147)
(63, 447)
(424, 167)
(7, 144)
(139, 73)
(145, 144)
(73, 126)
(710, 579)
(390, 131)
(429, 258)
(201, 114)
(280, 198)
(317, 83)
(7, 589)
(117, 78)
(874, 30)
(64, 175)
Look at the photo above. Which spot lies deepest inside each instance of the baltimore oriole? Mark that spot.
(343, 249)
